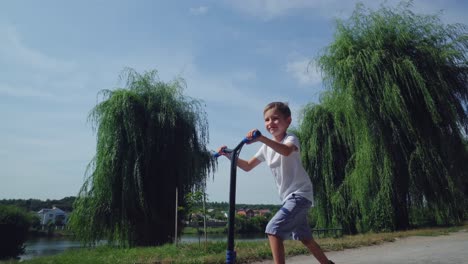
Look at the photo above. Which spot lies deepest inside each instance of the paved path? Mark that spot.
(447, 249)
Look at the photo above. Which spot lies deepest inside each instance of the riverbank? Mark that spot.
(214, 252)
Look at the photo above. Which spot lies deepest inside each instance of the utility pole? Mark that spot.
(176, 216)
(204, 215)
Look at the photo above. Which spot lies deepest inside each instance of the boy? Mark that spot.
(281, 153)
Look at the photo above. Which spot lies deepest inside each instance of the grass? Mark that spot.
(214, 252)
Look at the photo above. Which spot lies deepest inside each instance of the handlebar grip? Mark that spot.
(255, 135)
(224, 150)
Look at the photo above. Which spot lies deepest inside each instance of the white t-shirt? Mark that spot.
(289, 174)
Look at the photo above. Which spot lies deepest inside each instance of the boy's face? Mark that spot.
(276, 123)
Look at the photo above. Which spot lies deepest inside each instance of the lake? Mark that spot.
(46, 246)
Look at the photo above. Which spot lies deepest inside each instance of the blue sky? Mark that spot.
(236, 56)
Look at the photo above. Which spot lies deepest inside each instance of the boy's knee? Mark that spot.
(275, 239)
(274, 236)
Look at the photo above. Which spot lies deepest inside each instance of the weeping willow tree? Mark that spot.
(150, 140)
(385, 146)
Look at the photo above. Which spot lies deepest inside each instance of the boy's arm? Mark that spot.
(248, 165)
(243, 164)
(283, 149)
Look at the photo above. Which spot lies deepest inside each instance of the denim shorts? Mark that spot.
(291, 220)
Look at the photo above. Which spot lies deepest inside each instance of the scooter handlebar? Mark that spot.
(224, 150)
(245, 140)
(255, 135)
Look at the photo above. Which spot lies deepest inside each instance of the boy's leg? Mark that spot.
(315, 249)
(277, 249)
(303, 232)
(279, 228)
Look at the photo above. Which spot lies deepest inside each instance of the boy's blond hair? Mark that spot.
(283, 108)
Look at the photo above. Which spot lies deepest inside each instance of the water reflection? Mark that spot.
(47, 246)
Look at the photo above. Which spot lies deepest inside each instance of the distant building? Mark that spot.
(246, 212)
(55, 216)
(252, 213)
(262, 212)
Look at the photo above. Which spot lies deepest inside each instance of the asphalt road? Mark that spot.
(447, 249)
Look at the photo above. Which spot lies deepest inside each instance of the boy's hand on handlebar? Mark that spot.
(223, 153)
(252, 136)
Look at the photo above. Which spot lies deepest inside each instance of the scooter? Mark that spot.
(230, 252)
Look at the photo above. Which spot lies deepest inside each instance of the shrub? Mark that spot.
(14, 226)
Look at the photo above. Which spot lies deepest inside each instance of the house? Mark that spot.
(251, 213)
(262, 212)
(246, 212)
(54, 216)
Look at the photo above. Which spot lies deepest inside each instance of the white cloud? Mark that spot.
(14, 51)
(25, 92)
(270, 9)
(30, 72)
(304, 71)
(244, 76)
(201, 10)
(223, 89)
(448, 13)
